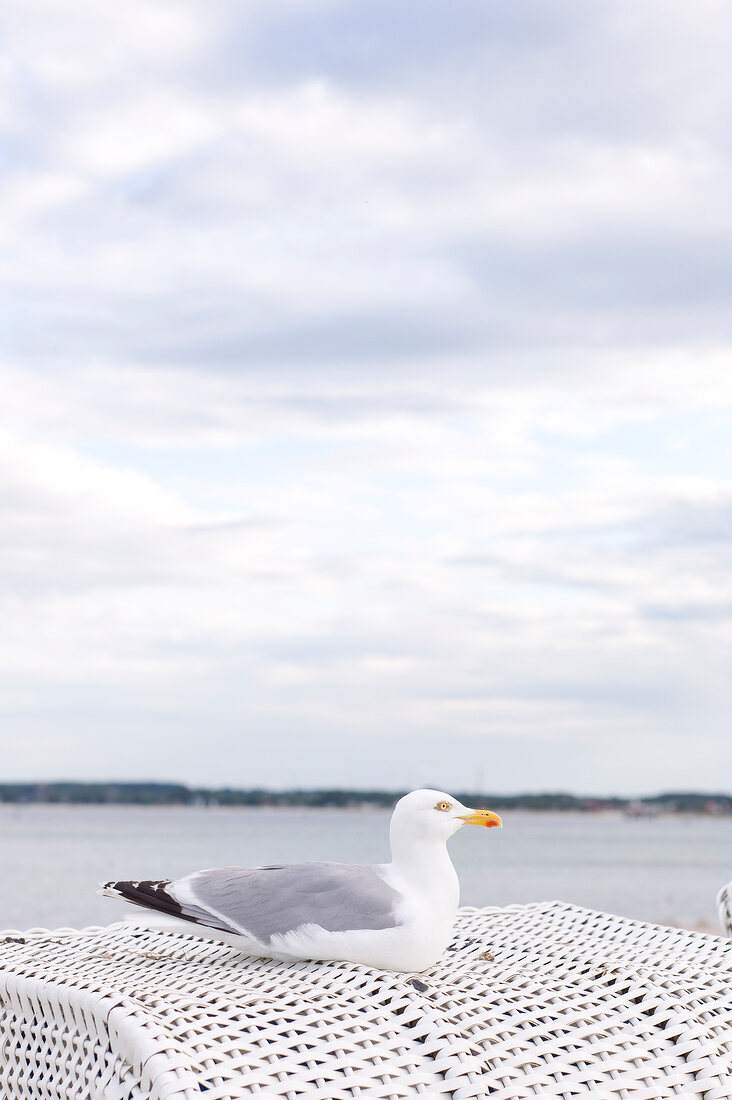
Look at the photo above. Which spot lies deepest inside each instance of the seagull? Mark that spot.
(390, 916)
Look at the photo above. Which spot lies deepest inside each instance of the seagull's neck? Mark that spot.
(422, 860)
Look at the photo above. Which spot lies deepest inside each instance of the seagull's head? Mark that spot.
(434, 814)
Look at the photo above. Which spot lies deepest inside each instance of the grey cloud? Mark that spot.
(347, 341)
(361, 42)
(693, 524)
(532, 74)
(473, 54)
(604, 282)
(616, 689)
(160, 330)
(682, 613)
(605, 289)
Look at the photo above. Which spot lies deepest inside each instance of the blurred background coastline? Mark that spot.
(178, 794)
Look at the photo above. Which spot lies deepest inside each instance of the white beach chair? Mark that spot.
(724, 908)
(546, 1000)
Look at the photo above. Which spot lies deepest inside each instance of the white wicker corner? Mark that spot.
(544, 1000)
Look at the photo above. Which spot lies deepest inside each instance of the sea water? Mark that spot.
(664, 869)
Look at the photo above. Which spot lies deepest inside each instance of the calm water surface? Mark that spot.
(666, 870)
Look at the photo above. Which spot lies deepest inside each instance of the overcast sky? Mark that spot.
(366, 393)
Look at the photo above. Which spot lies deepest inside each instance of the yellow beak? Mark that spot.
(482, 817)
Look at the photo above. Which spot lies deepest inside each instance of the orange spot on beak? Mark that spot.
(483, 817)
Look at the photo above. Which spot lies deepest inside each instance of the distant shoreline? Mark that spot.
(175, 794)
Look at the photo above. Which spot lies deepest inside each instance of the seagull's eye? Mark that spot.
(443, 806)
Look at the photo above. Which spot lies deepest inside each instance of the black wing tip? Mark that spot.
(151, 894)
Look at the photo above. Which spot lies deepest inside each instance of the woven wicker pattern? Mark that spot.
(542, 1000)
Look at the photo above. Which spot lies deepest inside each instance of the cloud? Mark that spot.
(473, 206)
(367, 378)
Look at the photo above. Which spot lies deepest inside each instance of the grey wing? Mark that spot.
(269, 901)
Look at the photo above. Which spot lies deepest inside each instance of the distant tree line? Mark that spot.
(177, 794)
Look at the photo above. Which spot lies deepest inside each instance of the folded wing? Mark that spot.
(262, 902)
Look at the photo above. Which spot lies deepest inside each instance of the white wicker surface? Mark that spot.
(544, 1000)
